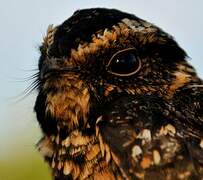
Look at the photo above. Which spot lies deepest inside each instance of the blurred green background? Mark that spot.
(23, 25)
(19, 158)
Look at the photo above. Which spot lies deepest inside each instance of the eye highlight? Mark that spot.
(124, 63)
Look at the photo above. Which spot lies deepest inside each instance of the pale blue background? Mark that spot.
(23, 23)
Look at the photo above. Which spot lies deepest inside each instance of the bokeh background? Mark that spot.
(23, 24)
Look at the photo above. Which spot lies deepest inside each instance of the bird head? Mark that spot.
(96, 56)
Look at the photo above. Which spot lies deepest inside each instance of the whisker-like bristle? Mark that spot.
(30, 87)
(34, 85)
(30, 78)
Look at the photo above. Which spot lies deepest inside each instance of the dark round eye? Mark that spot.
(124, 63)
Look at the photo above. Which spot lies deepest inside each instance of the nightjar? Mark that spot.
(117, 99)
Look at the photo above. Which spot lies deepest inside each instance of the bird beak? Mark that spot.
(52, 68)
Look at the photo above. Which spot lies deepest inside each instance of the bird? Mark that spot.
(117, 99)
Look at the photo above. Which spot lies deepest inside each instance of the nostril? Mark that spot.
(49, 66)
(46, 70)
(71, 69)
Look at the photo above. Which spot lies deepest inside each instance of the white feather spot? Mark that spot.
(156, 157)
(136, 151)
(145, 135)
(201, 143)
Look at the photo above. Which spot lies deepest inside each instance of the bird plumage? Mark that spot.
(118, 100)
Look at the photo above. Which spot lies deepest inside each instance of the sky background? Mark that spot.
(23, 24)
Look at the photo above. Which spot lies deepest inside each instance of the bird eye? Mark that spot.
(124, 63)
